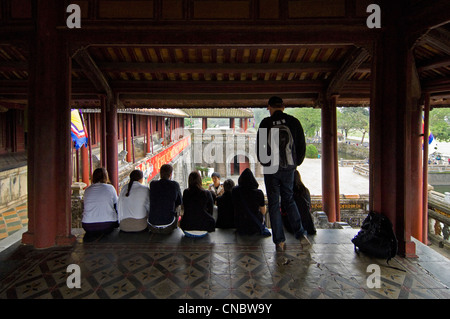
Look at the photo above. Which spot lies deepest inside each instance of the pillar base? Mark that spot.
(65, 240)
(28, 238)
(407, 249)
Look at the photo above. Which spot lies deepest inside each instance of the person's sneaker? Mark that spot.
(304, 241)
(280, 246)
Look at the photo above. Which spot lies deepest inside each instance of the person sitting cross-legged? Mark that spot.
(197, 219)
(165, 198)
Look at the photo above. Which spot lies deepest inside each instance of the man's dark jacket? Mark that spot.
(278, 117)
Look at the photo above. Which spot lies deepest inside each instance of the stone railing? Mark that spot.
(361, 169)
(439, 219)
(346, 163)
(13, 187)
(438, 168)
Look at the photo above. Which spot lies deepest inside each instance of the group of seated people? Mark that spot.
(161, 207)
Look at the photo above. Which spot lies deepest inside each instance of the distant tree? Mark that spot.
(259, 114)
(309, 118)
(311, 151)
(440, 124)
(353, 118)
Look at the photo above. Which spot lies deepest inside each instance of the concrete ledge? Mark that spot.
(321, 222)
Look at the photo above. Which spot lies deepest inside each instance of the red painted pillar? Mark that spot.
(128, 137)
(426, 129)
(335, 157)
(232, 123)
(390, 167)
(171, 129)
(151, 132)
(163, 126)
(149, 135)
(85, 165)
(245, 124)
(328, 159)
(204, 124)
(49, 148)
(416, 194)
(103, 147)
(133, 160)
(112, 144)
(89, 132)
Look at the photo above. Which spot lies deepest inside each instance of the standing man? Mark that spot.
(280, 148)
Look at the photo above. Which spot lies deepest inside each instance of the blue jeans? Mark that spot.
(282, 184)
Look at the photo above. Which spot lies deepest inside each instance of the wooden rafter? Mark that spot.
(434, 64)
(92, 71)
(439, 39)
(216, 67)
(9, 66)
(350, 65)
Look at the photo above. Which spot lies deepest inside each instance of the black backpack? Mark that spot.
(286, 147)
(376, 237)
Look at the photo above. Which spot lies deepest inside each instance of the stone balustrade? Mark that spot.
(439, 219)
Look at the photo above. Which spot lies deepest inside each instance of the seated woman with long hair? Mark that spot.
(302, 199)
(134, 204)
(100, 201)
(198, 208)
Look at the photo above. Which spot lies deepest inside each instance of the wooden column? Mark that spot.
(390, 168)
(128, 137)
(133, 157)
(328, 161)
(149, 134)
(49, 148)
(426, 129)
(335, 157)
(103, 147)
(416, 193)
(232, 123)
(85, 171)
(204, 124)
(112, 144)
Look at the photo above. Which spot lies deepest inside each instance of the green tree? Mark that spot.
(311, 151)
(440, 124)
(353, 118)
(259, 114)
(309, 117)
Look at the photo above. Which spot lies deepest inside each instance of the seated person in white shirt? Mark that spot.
(100, 200)
(134, 204)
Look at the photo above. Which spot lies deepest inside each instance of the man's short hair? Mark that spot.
(165, 171)
(216, 175)
(276, 101)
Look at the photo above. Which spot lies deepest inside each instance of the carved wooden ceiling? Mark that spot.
(217, 54)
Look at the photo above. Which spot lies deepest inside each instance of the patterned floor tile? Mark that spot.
(156, 270)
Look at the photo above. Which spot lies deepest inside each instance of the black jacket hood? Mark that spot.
(248, 180)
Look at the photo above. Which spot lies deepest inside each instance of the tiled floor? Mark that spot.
(220, 266)
(13, 219)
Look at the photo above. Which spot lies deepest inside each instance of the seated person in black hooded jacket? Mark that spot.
(249, 206)
(225, 209)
